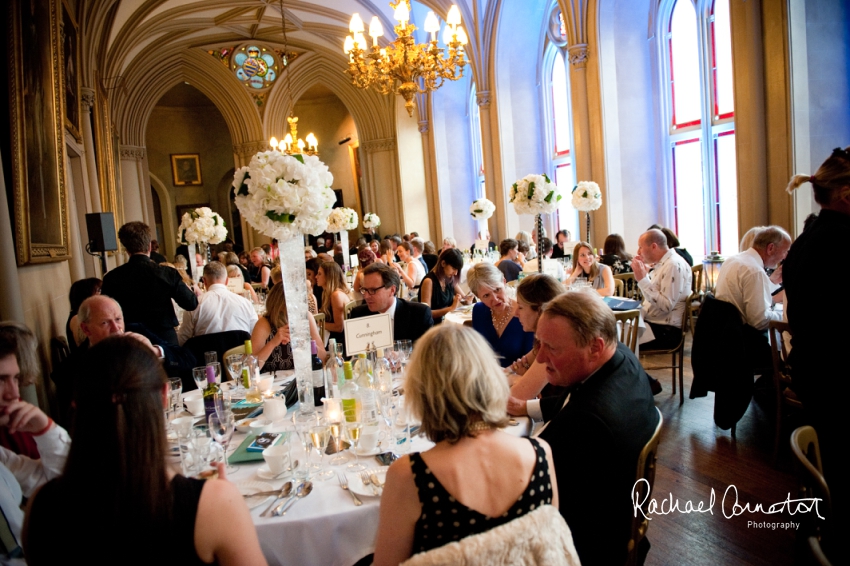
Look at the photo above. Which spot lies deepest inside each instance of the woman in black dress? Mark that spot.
(457, 389)
(437, 289)
(615, 256)
(117, 472)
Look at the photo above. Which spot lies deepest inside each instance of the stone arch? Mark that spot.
(373, 113)
(203, 72)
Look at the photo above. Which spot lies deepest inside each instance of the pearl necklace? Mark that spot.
(500, 321)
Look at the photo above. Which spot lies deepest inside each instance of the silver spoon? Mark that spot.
(284, 491)
(303, 491)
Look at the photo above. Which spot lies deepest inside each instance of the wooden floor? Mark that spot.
(696, 456)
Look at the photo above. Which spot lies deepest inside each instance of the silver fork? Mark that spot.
(364, 477)
(343, 483)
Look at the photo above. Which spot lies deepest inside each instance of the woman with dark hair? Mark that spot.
(116, 471)
(532, 293)
(615, 256)
(334, 298)
(438, 287)
(270, 337)
(586, 267)
(80, 291)
(673, 243)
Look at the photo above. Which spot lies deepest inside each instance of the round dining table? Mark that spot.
(326, 528)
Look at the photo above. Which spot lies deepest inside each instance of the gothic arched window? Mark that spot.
(700, 124)
(558, 119)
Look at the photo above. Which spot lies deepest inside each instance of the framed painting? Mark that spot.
(186, 169)
(71, 57)
(37, 117)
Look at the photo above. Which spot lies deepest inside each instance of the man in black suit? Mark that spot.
(380, 283)
(144, 289)
(598, 427)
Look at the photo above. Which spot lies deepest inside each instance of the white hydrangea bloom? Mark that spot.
(535, 194)
(587, 196)
(482, 209)
(342, 219)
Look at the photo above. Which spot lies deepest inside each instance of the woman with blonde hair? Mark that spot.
(334, 298)
(238, 285)
(270, 338)
(494, 317)
(750, 237)
(455, 387)
(586, 267)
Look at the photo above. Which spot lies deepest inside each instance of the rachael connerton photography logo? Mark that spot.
(730, 506)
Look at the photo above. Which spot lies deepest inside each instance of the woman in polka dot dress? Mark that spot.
(477, 477)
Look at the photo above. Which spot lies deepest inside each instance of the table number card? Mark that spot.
(361, 332)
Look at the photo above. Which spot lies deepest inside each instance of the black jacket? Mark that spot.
(596, 440)
(144, 290)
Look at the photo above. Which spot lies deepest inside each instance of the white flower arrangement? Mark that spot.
(371, 220)
(283, 196)
(482, 209)
(587, 196)
(535, 194)
(342, 219)
(201, 226)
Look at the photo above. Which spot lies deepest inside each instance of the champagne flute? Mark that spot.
(320, 435)
(221, 428)
(352, 431)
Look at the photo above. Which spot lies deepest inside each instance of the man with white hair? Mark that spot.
(665, 291)
(219, 309)
(744, 282)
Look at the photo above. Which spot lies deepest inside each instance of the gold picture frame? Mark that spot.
(186, 169)
(70, 72)
(37, 109)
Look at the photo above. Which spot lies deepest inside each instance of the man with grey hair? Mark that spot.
(744, 282)
(665, 291)
(219, 309)
(604, 418)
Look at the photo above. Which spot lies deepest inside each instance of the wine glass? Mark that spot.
(320, 435)
(336, 434)
(176, 388)
(234, 365)
(221, 429)
(404, 347)
(352, 431)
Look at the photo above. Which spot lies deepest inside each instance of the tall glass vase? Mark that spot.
(588, 226)
(295, 289)
(343, 240)
(538, 223)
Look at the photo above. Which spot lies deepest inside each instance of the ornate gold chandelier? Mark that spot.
(292, 144)
(405, 67)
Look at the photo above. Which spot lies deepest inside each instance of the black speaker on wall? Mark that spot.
(101, 228)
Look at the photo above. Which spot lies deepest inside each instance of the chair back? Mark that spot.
(645, 471)
(350, 306)
(696, 279)
(630, 286)
(619, 287)
(628, 323)
(806, 449)
(220, 342)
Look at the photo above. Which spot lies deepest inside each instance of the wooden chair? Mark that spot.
(695, 302)
(619, 287)
(781, 376)
(320, 322)
(631, 289)
(677, 353)
(351, 305)
(645, 471)
(806, 450)
(628, 327)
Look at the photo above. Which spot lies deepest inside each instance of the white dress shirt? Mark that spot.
(744, 283)
(667, 290)
(20, 476)
(219, 310)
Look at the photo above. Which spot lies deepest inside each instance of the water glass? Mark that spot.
(221, 429)
(176, 390)
(223, 404)
(210, 357)
(320, 435)
(199, 374)
(234, 365)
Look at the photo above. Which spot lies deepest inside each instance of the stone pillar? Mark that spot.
(581, 115)
(93, 194)
(492, 170)
(133, 187)
(431, 186)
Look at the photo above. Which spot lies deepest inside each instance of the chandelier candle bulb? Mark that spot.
(453, 17)
(402, 12)
(356, 24)
(461, 36)
(376, 30)
(348, 46)
(273, 142)
(432, 25)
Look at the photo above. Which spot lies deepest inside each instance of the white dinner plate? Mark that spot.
(355, 485)
(247, 487)
(372, 452)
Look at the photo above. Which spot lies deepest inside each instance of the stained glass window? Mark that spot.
(255, 66)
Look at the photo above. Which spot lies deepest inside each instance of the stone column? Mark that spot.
(133, 187)
(492, 172)
(382, 186)
(431, 186)
(93, 194)
(581, 115)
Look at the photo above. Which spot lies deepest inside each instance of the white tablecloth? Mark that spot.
(326, 528)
